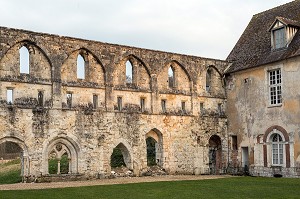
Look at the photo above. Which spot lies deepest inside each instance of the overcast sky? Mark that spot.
(206, 28)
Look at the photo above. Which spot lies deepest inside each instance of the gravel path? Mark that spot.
(125, 180)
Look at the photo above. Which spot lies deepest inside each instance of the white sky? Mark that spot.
(206, 28)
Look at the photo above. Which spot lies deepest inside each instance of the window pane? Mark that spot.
(24, 60)
(80, 67)
(9, 96)
(129, 72)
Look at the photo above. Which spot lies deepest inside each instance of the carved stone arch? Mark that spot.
(40, 64)
(95, 71)
(25, 169)
(72, 149)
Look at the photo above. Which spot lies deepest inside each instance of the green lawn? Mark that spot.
(240, 187)
(10, 172)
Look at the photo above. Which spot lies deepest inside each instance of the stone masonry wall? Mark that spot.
(88, 133)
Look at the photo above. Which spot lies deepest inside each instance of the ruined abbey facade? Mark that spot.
(84, 98)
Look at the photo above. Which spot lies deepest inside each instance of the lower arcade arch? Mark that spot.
(121, 157)
(61, 157)
(154, 147)
(13, 149)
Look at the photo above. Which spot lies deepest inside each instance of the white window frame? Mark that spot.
(277, 149)
(275, 87)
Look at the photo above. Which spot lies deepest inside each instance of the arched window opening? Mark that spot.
(277, 149)
(59, 160)
(129, 72)
(151, 151)
(24, 60)
(154, 147)
(120, 158)
(117, 159)
(171, 75)
(80, 67)
(13, 154)
(208, 79)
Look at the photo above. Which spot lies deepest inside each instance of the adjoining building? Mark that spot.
(263, 94)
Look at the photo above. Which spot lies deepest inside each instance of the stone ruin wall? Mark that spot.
(90, 134)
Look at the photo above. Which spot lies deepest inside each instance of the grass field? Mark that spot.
(240, 187)
(10, 172)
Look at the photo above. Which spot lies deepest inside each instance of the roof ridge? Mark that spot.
(271, 9)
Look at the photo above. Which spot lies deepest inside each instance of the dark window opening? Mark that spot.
(183, 106)
(171, 75)
(142, 104)
(208, 80)
(40, 98)
(234, 142)
(201, 107)
(119, 99)
(69, 100)
(163, 105)
(95, 101)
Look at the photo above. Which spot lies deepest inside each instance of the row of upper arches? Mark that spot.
(82, 65)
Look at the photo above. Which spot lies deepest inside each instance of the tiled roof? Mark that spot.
(254, 46)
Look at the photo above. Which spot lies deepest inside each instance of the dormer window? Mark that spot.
(283, 31)
(279, 38)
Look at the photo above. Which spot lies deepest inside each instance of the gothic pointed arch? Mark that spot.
(57, 149)
(94, 70)
(213, 80)
(121, 151)
(154, 147)
(179, 80)
(132, 72)
(38, 62)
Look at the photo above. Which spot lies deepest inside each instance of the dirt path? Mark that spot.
(125, 180)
